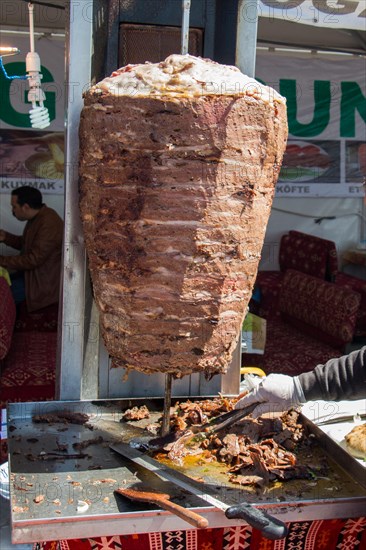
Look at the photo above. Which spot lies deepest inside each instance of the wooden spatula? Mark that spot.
(165, 503)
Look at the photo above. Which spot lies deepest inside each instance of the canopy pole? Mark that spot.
(246, 36)
(186, 7)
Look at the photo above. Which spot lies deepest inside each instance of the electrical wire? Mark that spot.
(319, 219)
(8, 77)
(47, 4)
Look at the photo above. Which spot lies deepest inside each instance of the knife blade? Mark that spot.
(271, 527)
(340, 419)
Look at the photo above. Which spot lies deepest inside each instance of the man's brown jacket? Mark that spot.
(40, 257)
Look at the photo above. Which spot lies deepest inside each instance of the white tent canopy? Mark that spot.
(337, 25)
(336, 14)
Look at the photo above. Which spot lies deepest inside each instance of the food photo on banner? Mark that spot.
(326, 110)
(355, 161)
(315, 161)
(32, 158)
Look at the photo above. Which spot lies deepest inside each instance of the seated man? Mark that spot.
(38, 266)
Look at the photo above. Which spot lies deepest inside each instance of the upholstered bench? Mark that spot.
(7, 317)
(358, 285)
(28, 347)
(317, 320)
(306, 253)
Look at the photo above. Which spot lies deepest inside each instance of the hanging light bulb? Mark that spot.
(8, 50)
(39, 115)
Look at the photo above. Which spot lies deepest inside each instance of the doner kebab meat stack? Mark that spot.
(178, 166)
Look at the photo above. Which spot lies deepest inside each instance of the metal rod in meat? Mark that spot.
(167, 403)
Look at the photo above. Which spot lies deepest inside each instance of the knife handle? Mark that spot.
(163, 501)
(190, 517)
(271, 527)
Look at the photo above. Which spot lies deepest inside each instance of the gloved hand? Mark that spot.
(277, 392)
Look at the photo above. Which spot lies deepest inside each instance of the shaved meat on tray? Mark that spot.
(65, 417)
(256, 452)
(136, 413)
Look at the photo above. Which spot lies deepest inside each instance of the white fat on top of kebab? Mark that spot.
(184, 75)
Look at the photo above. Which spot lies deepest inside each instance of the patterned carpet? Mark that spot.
(28, 370)
(337, 534)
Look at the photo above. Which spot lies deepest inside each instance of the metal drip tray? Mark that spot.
(63, 477)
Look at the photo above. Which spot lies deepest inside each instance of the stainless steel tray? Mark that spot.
(53, 497)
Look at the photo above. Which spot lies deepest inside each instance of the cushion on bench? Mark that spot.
(317, 248)
(358, 285)
(309, 254)
(322, 310)
(7, 317)
(303, 253)
(269, 284)
(317, 320)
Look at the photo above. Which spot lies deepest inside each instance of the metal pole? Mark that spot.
(72, 306)
(31, 26)
(186, 7)
(246, 36)
(165, 425)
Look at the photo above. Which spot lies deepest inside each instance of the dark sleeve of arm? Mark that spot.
(15, 241)
(44, 243)
(339, 379)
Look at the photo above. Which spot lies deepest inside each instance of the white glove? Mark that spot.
(277, 392)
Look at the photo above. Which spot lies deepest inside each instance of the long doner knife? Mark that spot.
(271, 527)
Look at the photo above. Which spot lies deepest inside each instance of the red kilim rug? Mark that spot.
(337, 534)
(28, 371)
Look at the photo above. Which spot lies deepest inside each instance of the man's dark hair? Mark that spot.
(28, 195)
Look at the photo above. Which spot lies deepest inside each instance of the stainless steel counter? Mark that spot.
(63, 478)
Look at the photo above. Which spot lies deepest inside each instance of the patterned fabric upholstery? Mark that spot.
(269, 283)
(7, 317)
(316, 246)
(320, 309)
(289, 351)
(28, 371)
(348, 281)
(302, 252)
(317, 319)
(298, 251)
